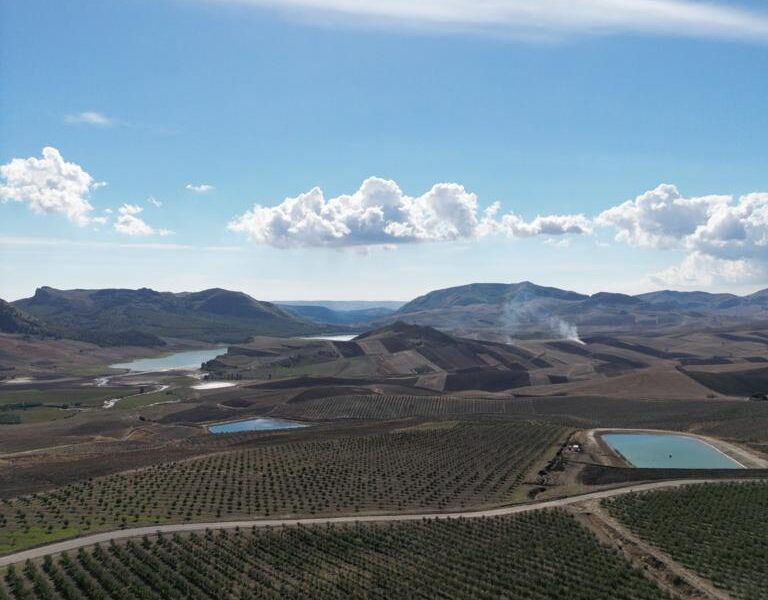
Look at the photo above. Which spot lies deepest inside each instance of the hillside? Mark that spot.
(143, 317)
(13, 320)
(502, 311)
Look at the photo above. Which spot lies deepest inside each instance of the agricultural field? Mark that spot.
(42, 405)
(447, 465)
(717, 530)
(537, 556)
(388, 406)
(749, 382)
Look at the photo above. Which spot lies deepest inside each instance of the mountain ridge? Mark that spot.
(117, 316)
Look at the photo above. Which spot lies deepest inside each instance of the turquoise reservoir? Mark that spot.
(254, 425)
(668, 451)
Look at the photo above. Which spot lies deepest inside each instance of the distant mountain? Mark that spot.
(671, 299)
(343, 305)
(525, 309)
(143, 317)
(13, 320)
(324, 315)
(486, 293)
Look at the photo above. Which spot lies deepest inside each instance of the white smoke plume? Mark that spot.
(567, 331)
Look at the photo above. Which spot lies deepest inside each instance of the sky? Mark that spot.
(377, 150)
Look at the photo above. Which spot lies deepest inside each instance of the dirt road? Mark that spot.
(106, 536)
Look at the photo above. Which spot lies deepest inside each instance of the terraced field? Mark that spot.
(718, 530)
(441, 466)
(536, 556)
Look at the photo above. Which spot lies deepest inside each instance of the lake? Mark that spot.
(186, 361)
(262, 424)
(332, 338)
(668, 451)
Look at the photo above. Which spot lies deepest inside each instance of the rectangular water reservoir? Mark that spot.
(668, 451)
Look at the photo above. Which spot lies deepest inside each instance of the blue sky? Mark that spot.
(564, 119)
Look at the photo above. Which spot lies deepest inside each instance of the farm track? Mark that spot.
(655, 563)
(106, 536)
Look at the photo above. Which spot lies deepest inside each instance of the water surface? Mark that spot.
(668, 451)
(262, 424)
(333, 338)
(189, 360)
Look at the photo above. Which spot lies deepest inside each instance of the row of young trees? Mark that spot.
(535, 556)
(474, 463)
(718, 530)
(391, 406)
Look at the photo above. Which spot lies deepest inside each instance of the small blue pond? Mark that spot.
(668, 451)
(263, 424)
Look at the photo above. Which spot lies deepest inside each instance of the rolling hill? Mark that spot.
(528, 310)
(143, 317)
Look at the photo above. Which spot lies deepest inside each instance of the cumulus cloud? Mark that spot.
(659, 218)
(49, 185)
(515, 227)
(734, 229)
(717, 225)
(89, 118)
(726, 238)
(202, 188)
(381, 213)
(536, 20)
(128, 223)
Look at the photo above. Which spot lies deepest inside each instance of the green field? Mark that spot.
(718, 530)
(73, 396)
(535, 556)
(474, 463)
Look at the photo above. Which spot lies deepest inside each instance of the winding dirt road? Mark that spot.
(106, 536)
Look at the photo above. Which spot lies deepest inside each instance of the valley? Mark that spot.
(394, 419)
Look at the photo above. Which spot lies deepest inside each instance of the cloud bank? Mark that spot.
(540, 19)
(49, 185)
(380, 213)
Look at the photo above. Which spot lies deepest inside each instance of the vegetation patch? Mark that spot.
(538, 556)
(717, 530)
(473, 464)
(388, 406)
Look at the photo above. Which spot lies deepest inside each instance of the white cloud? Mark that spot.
(49, 185)
(540, 19)
(659, 218)
(726, 238)
(203, 188)
(735, 230)
(154, 202)
(128, 223)
(89, 118)
(515, 227)
(698, 270)
(379, 213)
(715, 225)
